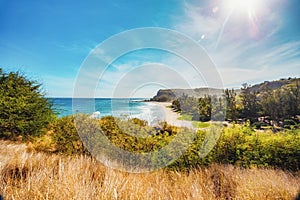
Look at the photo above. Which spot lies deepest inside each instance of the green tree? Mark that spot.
(218, 109)
(250, 102)
(292, 98)
(281, 104)
(24, 110)
(205, 108)
(186, 105)
(231, 106)
(176, 105)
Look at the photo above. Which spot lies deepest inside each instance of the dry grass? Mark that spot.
(31, 175)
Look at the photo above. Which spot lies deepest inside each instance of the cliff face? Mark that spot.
(165, 95)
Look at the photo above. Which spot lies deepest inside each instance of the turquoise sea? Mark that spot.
(117, 107)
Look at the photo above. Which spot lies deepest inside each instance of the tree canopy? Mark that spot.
(24, 110)
(280, 106)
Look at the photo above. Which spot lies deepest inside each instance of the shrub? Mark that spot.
(66, 138)
(139, 122)
(289, 124)
(242, 146)
(24, 110)
(238, 145)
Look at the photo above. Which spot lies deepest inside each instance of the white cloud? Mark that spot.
(239, 57)
(242, 56)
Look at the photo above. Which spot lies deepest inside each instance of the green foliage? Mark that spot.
(273, 105)
(65, 136)
(237, 145)
(201, 124)
(129, 135)
(241, 146)
(283, 103)
(185, 117)
(250, 103)
(187, 105)
(231, 107)
(205, 109)
(201, 109)
(24, 110)
(290, 124)
(176, 105)
(139, 122)
(196, 124)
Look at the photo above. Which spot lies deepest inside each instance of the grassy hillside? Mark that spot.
(171, 94)
(262, 87)
(164, 95)
(31, 175)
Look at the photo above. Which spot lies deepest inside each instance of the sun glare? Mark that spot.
(252, 9)
(244, 6)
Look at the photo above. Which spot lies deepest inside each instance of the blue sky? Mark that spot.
(49, 40)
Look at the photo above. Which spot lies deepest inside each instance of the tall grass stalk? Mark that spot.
(30, 175)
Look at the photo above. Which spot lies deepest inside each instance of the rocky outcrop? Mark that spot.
(164, 95)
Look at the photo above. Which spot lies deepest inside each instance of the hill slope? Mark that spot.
(262, 87)
(164, 95)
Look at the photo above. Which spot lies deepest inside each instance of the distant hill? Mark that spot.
(164, 95)
(267, 85)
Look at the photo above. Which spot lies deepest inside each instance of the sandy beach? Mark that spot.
(171, 117)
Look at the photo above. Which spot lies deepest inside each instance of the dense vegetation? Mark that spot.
(24, 110)
(278, 107)
(239, 145)
(26, 113)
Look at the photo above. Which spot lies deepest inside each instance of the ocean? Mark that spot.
(117, 107)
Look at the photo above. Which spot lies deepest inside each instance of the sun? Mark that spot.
(250, 7)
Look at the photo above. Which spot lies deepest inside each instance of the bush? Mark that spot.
(139, 122)
(24, 110)
(66, 138)
(241, 146)
(259, 125)
(238, 145)
(62, 137)
(289, 124)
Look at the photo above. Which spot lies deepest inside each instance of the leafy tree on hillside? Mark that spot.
(218, 108)
(276, 103)
(205, 108)
(293, 99)
(281, 104)
(24, 110)
(272, 104)
(176, 105)
(231, 107)
(250, 102)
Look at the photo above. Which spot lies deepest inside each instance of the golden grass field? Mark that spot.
(30, 175)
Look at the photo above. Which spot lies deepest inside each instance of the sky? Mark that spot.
(248, 41)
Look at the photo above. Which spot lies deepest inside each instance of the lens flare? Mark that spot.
(250, 8)
(244, 6)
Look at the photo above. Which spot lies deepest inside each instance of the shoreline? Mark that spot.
(171, 117)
